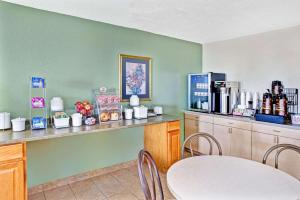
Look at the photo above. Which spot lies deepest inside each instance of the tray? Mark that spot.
(270, 118)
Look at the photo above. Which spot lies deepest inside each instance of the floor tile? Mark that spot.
(120, 185)
(134, 170)
(37, 196)
(109, 185)
(60, 193)
(86, 190)
(123, 197)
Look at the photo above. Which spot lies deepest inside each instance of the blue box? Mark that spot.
(270, 118)
(38, 123)
(37, 82)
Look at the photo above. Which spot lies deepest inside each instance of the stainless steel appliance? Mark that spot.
(225, 96)
(199, 90)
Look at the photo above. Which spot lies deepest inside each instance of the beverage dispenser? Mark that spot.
(199, 90)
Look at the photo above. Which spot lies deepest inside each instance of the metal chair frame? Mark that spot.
(281, 147)
(208, 137)
(145, 157)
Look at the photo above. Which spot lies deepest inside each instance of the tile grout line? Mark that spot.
(72, 192)
(44, 195)
(126, 187)
(106, 197)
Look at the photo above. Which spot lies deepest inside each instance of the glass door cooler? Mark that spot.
(199, 90)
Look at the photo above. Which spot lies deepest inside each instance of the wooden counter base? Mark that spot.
(13, 172)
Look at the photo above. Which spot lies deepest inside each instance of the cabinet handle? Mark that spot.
(230, 123)
(276, 131)
(275, 139)
(230, 130)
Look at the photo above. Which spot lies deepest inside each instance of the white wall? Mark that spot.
(258, 59)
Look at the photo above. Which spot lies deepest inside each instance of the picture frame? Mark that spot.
(135, 77)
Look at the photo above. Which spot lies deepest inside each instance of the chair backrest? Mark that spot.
(197, 136)
(280, 148)
(145, 157)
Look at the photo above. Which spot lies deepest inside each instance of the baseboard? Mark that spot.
(79, 177)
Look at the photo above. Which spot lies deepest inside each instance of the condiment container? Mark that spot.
(159, 110)
(295, 119)
(61, 120)
(134, 100)
(18, 124)
(140, 112)
(4, 120)
(57, 104)
(128, 113)
(76, 119)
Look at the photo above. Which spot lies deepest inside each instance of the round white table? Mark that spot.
(225, 177)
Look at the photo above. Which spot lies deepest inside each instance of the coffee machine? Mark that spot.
(224, 96)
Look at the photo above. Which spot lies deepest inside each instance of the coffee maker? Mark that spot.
(225, 96)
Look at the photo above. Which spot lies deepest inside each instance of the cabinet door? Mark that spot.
(261, 142)
(191, 127)
(221, 133)
(289, 161)
(173, 147)
(205, 127)
(12, 181)
(240, 143)
(155, 141)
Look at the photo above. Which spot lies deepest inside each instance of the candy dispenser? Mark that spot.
(108, 104)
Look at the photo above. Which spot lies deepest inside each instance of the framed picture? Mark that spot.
(135, 77)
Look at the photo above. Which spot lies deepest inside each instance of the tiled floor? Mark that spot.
(120, 185)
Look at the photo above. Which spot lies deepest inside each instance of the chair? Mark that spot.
(197, 136)
(280, 148)
(145, 157)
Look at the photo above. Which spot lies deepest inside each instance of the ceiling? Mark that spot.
(200, 21)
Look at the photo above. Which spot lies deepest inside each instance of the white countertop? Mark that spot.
(9, 137)
(245, 119)
(229, 178)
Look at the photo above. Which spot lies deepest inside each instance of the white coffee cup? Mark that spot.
(76, 119)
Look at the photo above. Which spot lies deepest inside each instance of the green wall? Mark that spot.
(76, 55)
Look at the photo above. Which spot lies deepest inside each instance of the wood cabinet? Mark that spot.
(234, 137)
(205, 127)
(234, 142)
(240, 143)
(191, 126)
(12, 172)
(221, 133)
(261, 142)
(289, 161)
(248, 139)
(163, 142)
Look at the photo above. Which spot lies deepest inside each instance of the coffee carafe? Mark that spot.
(267, 105)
